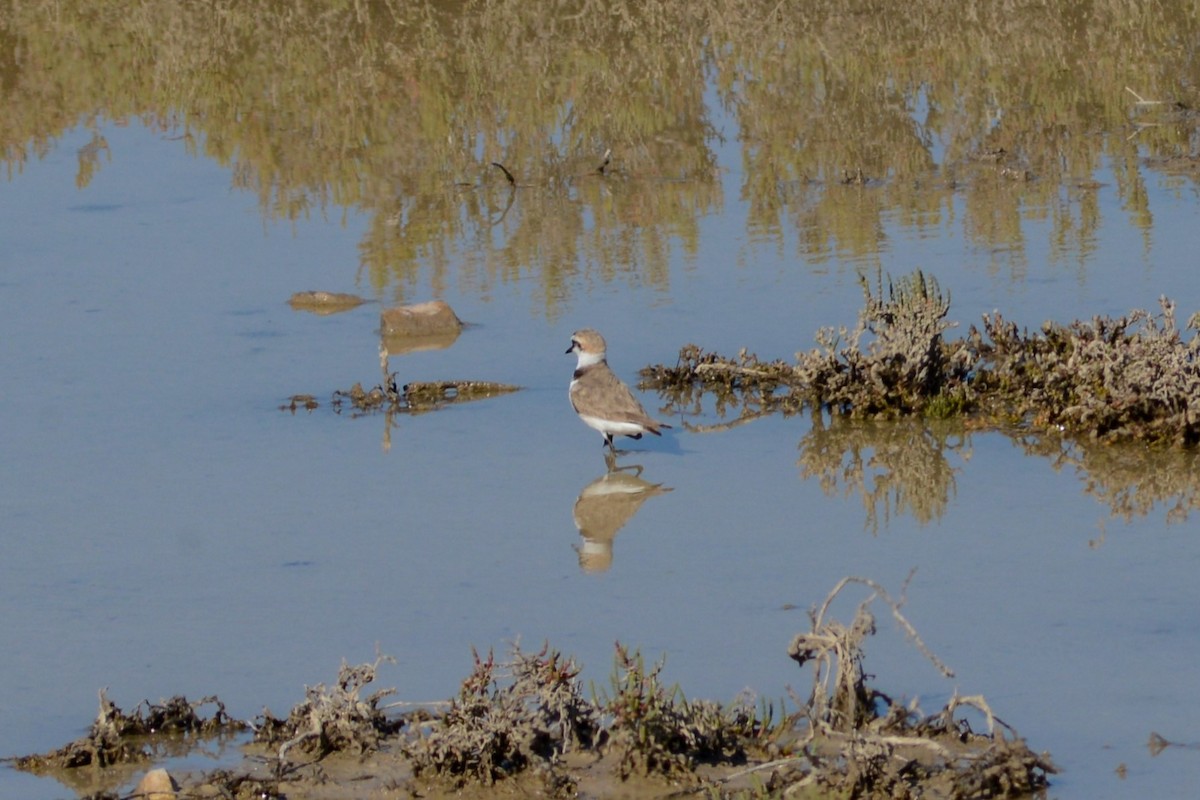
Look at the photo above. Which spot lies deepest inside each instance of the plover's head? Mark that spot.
(589, 344)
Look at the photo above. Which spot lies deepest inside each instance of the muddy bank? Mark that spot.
(525, 726)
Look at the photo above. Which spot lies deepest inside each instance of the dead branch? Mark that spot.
(900, 618)
(511, 180)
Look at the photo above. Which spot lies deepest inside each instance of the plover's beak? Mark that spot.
(571, 348)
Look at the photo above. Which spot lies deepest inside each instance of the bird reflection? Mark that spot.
(603, 508)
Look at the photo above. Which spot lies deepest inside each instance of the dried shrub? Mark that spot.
(333, 720)
(233, 785)
(493, 731)
(846, 739)
(893, 362)
(1132, 377)
(656, 730)
(411, 398)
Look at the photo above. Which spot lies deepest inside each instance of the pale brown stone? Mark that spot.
(156, 784)
(434, 318)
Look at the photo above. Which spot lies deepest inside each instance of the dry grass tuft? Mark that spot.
(332, 720)
(656, 730)
(494, 730)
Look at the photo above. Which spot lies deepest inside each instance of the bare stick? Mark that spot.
(977, 702)
(511, 180)
(736, 370)
(414, 704)
(1141, 101)
(904, 623)
(725, 426)
(290, 743)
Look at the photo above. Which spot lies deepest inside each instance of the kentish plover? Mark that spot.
(600, 398)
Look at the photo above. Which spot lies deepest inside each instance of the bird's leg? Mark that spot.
(612, 448)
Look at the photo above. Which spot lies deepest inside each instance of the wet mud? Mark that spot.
(524, 726)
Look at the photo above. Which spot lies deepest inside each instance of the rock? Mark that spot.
(434, 318)
(156, 784)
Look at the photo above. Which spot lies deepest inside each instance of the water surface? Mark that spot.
(168, 529)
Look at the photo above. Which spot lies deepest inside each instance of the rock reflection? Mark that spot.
(896, 467)
(603, 508)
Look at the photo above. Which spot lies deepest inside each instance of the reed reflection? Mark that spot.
(604, 507)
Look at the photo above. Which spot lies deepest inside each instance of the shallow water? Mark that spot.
(167, 529)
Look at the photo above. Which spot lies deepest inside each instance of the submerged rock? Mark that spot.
(324, 302)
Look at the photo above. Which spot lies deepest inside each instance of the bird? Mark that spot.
(600, 398)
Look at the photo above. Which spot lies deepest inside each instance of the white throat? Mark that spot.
(587, 359)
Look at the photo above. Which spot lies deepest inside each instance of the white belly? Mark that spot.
(613, 427)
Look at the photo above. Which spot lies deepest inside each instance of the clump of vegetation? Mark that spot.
(1133, 377)
(1130, 378)
(744, 381)
(656, 730)
(426, 395)
(848, 739)
(893, 363)
(333, 720)
(119, 738)
(493, 731)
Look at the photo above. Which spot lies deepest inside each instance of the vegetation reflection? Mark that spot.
(846, 115)
(895, 469)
